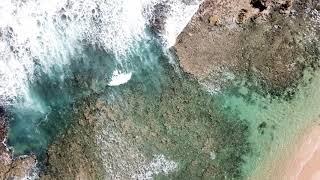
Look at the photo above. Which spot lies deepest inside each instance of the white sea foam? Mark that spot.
(178, 17)
(178, 14)
(119, 78)
(49, 33)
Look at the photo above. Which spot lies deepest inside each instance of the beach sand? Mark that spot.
(298, 161)
(305, 162)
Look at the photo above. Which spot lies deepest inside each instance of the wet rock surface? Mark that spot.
(267, 42)
(3, 128)
(159, 13)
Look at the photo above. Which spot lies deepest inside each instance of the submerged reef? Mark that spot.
(174, 130)
(73, 155)
(262, 58)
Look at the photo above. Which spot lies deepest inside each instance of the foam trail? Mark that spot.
(47, 34)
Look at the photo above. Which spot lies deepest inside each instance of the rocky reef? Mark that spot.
(74, 154)
(159, 13)
(169, 130)
(268, 43)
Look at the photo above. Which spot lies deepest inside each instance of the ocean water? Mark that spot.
(54, 54)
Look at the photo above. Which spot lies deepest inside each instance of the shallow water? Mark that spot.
(273, 122)
(156, 93)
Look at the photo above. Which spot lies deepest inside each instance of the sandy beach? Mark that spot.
(305, 162)
(298, 161)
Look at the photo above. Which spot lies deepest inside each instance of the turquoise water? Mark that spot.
(174, 116)
(34, 126)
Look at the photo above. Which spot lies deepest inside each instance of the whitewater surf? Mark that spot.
(53, 53)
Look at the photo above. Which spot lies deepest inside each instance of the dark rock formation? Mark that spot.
(259, 4)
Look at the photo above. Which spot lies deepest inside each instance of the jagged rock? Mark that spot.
(20, 168)
(3, 124)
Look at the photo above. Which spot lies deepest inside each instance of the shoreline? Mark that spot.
(297, 159)
(304, 163)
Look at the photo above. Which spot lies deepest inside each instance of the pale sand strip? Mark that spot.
(298, 160)
(305, 162)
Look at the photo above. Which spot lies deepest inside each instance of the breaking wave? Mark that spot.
(53, 53)
(50, 33)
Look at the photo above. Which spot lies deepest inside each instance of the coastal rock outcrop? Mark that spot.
(262, 41)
